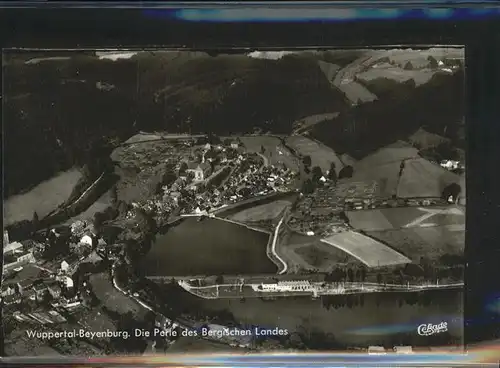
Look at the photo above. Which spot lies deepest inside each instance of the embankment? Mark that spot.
(23, 230)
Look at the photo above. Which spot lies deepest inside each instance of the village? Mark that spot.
(171, 233)
(46, 279)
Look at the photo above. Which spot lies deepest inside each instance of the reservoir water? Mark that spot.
(208, 247)
(384, 319)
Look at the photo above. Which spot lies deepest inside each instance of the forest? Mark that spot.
(64, 113)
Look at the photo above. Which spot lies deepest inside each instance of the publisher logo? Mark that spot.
(430, 329)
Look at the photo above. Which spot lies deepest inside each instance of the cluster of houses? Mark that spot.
(452, 165)
(15, 254)
(56, 288)
(74, 244)
(247, 178)
(302, 286)
(286, 286)
(210, 156)
(320, 211)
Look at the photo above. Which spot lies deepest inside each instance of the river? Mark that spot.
(208, 247)
(383, 319)
(42, 199)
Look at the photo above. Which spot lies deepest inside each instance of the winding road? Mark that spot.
(273, 245)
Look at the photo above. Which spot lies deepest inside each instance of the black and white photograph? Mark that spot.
(183, 201)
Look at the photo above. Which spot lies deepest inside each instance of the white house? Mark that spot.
(234, 145)
(200, 171)
(12, 247)
(450, 164)
(86, 239)
(64, 266)
(283, 286)
(68, 282)
(9, 290)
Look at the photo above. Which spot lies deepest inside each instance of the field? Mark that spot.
(42, 199)
(383, 166)
(369, 251)
(114, 299)
(386, 176)
(421, 178)
(208, 247)
(275, 153)
(426, 140)
(429, 242)
(395, 218)
(262, 212)
(303, 252)
(138, 138)
(350, 189)
(330, 70)
(321, 155)
(393, 153)
(397, 74)
(356, 92)
(419, 57)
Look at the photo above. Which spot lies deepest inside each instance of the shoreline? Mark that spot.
(213, 291)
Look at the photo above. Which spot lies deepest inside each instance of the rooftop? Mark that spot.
(12, 247)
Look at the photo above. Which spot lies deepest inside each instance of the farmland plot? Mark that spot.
(321, 155)
(261, 212)
(421, 178)
(275, 152)
(356, 92)
(430, 242)
(397, 74)
(405, 217)
(330, 70)
(303, 252)
(369, 251)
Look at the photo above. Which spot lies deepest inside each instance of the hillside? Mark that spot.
(57, 111)
(60, 113)
(437, 107)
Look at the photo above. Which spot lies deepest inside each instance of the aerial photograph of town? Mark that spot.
(189, 201)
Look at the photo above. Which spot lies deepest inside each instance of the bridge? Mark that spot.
(211, 215)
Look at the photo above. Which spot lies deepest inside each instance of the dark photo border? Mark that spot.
(120, 28)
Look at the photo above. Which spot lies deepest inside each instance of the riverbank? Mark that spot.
(354, 320)
(241, 290)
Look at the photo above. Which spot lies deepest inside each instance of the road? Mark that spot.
(273, 245)
(75, 202)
